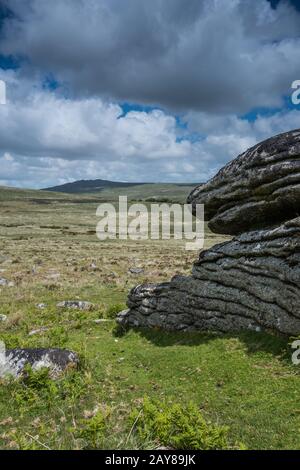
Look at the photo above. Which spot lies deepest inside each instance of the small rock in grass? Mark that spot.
(3, 317)
(41, 306)
(78, 304)
(38, 331)
(13, 361)
(98, 321)
(5, 282)
(136, 270)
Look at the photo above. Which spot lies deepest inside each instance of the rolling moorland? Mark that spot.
(111, 190)
(48, 254)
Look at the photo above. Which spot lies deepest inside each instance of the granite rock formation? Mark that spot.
(253, 280)
(261, 187)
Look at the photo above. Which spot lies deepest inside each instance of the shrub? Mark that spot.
(93, 431)
(58, 336)
(177, 426)
(37, 390)
(114, 309)
(34, 387)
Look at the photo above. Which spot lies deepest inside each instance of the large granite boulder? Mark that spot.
(252, 281)
(259, 189)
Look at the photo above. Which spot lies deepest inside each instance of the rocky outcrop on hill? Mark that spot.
(253, 281)
(250, 282)
(258, 189)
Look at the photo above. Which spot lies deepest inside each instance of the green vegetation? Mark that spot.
(244, 382)
(160, 192)
(178, 426)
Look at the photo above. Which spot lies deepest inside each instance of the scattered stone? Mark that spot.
(13, 361)
(38, 331)
(3, 317)
(136, 270)
(122, 316)
(5, 282)
(259, 189)
(77, 304)
(252, 281)
(41, 306)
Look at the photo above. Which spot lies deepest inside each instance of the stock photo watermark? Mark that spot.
(2, 92)
(296, 354)
(296, 94)
(159, 221)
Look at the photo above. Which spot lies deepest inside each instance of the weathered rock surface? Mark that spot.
(258, 189)
(250, 282)
(13, 361)
(41, 306)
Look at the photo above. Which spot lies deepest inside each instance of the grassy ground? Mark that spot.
(50, 252)
(149, 192)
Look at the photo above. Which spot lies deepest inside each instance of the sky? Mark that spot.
(160, 91)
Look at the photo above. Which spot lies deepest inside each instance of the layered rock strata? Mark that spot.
(253, 281)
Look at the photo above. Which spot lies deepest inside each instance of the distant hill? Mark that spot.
(89, 186)
(111, 190)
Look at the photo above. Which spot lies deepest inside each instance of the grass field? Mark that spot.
(148, 192)
(49, 250)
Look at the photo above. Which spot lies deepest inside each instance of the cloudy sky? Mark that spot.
(139, 90)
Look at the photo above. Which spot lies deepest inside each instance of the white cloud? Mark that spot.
(177, 55)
